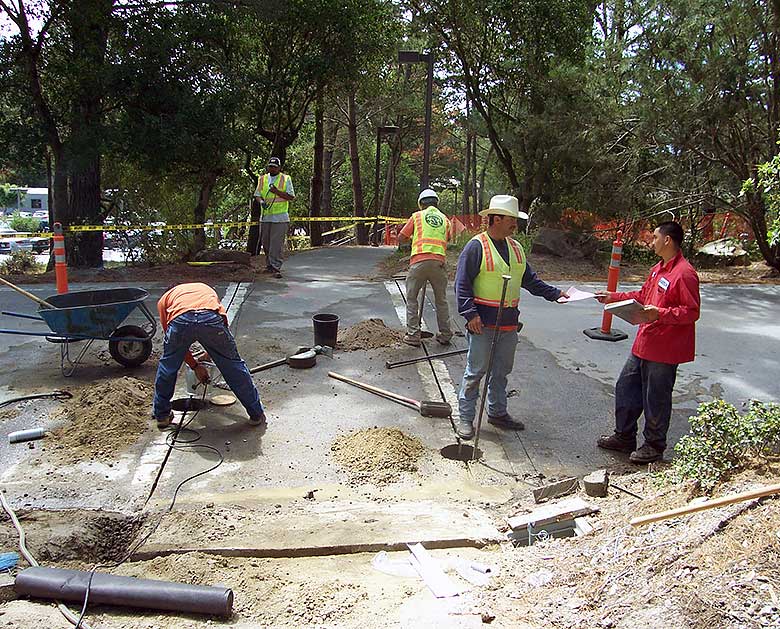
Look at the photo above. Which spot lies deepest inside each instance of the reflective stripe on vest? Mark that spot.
(275, 205)
(430, 232)
(488, 283)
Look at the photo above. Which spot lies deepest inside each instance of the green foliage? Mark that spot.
(722, 441)
(20, 263)
(7, 196)
(24, 223)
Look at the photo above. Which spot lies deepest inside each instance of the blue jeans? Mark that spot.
(645, 387)
(476, 366)
(207, 328)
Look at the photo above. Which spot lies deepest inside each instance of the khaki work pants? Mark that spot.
(434, 273)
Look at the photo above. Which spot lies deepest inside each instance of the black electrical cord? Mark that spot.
(54, 395)
(174, 443)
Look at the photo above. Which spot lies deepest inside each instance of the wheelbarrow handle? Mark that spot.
(42, 302)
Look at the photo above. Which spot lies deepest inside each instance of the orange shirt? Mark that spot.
(186, 297)
(408, 231)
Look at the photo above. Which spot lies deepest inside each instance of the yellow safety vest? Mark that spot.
(274, 204)
(488, 283)
(430, 232)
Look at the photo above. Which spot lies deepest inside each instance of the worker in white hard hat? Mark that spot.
(429, 230)
(478, 287)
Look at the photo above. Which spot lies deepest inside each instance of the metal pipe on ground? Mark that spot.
(109, 589)
(426, 408)
(411, 361)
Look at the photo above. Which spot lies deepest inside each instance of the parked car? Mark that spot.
(10, 242)
(39, 244)
(41, 214)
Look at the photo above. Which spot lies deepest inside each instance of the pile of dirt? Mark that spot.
(379, 454)
(369, 334)
(102, 420)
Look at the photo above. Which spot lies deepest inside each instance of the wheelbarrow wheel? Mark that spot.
(130, 353)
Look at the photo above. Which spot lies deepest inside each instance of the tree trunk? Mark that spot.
(315, 204)
(88, 22)
(207, 184)
(357, 185)
(396, 151)
(466, 201)
(756, 216)
(332, 132)
(475, 198)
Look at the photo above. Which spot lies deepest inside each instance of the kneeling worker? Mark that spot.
(190, 313)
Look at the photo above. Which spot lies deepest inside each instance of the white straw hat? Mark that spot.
(505, 205)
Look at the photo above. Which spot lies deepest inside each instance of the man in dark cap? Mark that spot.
(274, 192)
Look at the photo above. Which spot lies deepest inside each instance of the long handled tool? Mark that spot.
(411, 361)
(506, 279)
(426, 408)
(302, 359)
(42, 302)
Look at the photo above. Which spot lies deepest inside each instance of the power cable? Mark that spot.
(54, 395)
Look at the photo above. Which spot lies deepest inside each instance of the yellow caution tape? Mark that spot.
(185, 226)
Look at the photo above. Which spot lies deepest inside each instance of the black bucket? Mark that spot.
(326, 327)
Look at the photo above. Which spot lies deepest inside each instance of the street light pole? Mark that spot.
(409, 56)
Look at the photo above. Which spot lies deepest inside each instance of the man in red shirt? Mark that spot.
(671, 300)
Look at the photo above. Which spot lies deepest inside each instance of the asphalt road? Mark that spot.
(562, 385)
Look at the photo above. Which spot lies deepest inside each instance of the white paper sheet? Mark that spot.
(575, 294)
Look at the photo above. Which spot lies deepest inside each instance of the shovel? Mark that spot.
(42, 302)
(302, 359)
(426, 408)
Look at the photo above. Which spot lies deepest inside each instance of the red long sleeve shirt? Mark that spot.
(674, 289)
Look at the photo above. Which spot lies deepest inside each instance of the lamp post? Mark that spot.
(381, 132)
(410, 56)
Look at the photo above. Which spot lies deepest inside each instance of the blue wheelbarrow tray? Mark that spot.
(93, 314)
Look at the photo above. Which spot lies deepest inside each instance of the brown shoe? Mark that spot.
(646, 454)
(617, 443)
(414, 341)
(164, 422)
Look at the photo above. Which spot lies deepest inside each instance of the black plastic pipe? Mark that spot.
(109, 589)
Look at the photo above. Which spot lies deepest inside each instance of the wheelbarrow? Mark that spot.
(94, 315)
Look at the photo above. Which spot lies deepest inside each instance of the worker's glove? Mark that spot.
(202, 373)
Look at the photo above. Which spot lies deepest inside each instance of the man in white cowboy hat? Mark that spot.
(478, 287)
(429, 231)
(274, 191)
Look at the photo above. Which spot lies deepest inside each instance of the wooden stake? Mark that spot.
(767, 490)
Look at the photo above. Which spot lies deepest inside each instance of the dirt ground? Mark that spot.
(717, 568)
(368, 334)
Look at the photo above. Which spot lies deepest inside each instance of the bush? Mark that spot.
(20, 263)
(24, 224)
(722, 441)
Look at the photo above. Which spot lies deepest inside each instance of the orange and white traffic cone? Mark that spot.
(605, 332)
(60, 264)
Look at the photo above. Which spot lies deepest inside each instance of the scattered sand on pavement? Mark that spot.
(379, 454)
(102, 420)
(369, 334)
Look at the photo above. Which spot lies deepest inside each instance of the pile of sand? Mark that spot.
(369, 334)
(102, 420)
(379, 454)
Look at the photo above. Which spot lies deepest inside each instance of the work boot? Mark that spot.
(617, 443)
(412, 340)
(258, 420)
(465, 429)
(646, 454)
(164, 422)
(444, 339)
(278, 275)
(506, 421)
